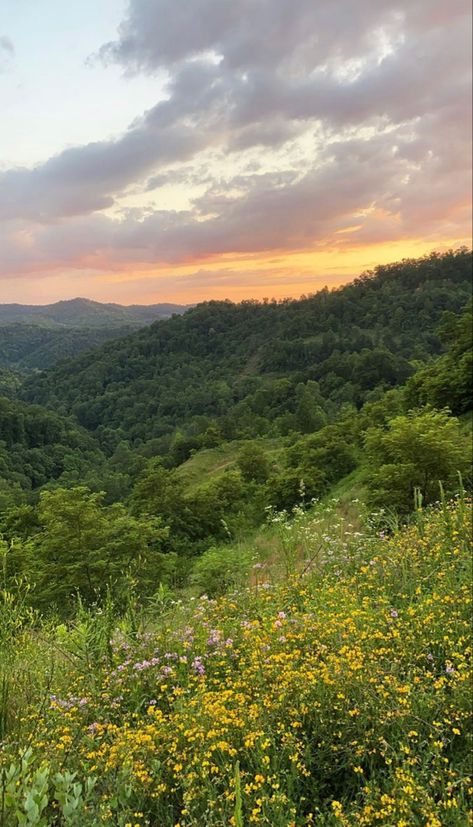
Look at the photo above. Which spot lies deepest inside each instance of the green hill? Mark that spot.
(38, 445)
(262, 369)
(85, 313)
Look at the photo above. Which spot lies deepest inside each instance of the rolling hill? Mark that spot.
(81, 312)
(36, 337)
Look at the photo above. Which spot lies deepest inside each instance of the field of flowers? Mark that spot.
(337, 694)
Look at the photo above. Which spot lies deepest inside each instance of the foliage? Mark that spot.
(337, 696)
(198, 425)
(219, 570)
(81, 548)
(38, 445)
(447, 382)
(260, 369)
(84, 313)
(253, 463)
(32, 347)
(10, 382)
(315, 463)
(416, 451)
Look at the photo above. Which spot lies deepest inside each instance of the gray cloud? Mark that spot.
(7, 51)
(6, 45)
(384, 192)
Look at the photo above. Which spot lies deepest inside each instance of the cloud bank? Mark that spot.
(286, 127)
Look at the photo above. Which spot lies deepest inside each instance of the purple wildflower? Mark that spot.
(214, 638)
(198, 666)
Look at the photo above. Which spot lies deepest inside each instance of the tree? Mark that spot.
(418, 450)
(253, 463)
(448, 381)
(84, 547)
(310, 415)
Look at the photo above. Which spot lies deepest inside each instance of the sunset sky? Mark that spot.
(178, 150)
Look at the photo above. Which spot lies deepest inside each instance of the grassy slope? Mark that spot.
(337, 697)
(210, 464)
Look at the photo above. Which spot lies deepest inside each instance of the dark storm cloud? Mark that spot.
(256, 75)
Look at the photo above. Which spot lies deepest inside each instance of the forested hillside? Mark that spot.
(205, 421)
(26, 347)
(38, 445)
(85, 313)
(37, 337)
(256, 369)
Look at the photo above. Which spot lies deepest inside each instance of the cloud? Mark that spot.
(7, 51)
(363, 191)
(301, 125)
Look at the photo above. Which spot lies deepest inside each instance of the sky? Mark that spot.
(180, 150)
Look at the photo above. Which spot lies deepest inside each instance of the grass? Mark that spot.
(210, 464)
(333, 689)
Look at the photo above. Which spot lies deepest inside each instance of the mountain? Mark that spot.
(36, 337)
(234, 371)
(85, 313)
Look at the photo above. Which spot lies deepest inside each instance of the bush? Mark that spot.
(220, 569)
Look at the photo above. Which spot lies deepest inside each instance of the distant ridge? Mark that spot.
(81, 312)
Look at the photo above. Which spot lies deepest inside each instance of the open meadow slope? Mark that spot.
(337, 694)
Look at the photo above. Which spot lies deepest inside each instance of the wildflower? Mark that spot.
(214, 638)
(198, 666)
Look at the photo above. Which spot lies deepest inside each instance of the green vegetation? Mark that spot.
(80, 313)
(224, 371)
(414, 453)
(38, 337)
(233, 564)
(31, 347)
(449, 380)
(38, 446)
(336, 694)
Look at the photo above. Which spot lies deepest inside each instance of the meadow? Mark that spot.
(331, 687)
